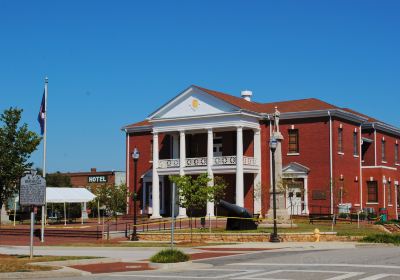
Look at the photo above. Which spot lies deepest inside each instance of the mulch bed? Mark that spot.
(113, 267)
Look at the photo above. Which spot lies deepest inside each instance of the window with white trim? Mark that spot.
(372, 188)
(355, 143)
(383, 150)
(293, 141)
(340, 140)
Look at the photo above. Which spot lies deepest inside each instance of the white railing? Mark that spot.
(198, 161)
(202, 161)
(225, 160)
(249, 161)
(168, 163)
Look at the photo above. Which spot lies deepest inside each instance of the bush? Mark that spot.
(383, 238)
(343, 215)
(169, 256)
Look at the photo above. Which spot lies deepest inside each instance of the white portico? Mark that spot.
(195, 112)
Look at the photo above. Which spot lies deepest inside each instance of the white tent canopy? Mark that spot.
(68, 195)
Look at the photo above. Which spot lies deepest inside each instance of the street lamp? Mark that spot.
(135, 156)
(273, 143)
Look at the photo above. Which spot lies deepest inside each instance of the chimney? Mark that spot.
(246, 94)
(93, 170)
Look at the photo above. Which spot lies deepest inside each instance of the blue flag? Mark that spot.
(42, 112)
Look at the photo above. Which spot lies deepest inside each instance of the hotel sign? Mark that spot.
(97, 179)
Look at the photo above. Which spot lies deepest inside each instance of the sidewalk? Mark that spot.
(136, 258)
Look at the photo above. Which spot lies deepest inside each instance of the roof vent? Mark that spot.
(247, 94)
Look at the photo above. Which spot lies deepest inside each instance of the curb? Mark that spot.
(78, 262)
(179, 266)
(63, 272)
(374, 245)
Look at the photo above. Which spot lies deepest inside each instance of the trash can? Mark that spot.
(383, 213)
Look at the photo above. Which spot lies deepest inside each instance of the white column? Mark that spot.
(306, 209)
(257, 177)
(396, 186)
(182, 160)
(210, 160)
(144, 198)
(384, 194)
(239, 167)
(156, 180)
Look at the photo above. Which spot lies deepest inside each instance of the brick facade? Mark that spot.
(351, 167)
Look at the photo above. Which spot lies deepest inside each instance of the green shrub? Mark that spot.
(382, 238)
(169, 256)
(372, 216)
(343, 215)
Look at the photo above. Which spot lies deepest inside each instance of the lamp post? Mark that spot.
(273, 143)
(135, 156)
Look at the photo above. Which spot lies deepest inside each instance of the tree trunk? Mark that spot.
(191, 226)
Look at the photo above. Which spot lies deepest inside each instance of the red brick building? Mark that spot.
(331, 156)
(94, 177)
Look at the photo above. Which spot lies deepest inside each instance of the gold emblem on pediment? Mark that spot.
(195, 104)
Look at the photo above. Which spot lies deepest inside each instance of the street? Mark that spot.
(359, 263)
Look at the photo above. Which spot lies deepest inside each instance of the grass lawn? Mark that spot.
(21, 263)
(303, 226)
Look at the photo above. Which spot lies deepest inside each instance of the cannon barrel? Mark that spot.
(235, 209)
(239, 212)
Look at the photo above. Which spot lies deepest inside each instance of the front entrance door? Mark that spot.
(294, 196)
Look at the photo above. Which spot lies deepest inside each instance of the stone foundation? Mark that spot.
(243, 237)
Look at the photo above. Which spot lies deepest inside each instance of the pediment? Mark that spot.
(191, 103)
(295, 168)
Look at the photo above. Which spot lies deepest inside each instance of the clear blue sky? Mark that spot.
(111, 63)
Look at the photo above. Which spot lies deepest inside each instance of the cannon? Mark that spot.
(239, 212)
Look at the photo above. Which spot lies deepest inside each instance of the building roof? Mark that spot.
(138, 124)
(370, 119)
(234, 100)
(290, 106)
(309, 104)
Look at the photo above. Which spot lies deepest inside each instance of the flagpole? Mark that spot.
(44, 207)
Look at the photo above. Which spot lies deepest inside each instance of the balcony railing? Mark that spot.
(225, 160)
(202, 161)
(249, 161)
(168, 163)
(199, 161)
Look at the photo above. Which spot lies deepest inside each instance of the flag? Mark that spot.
(42, 113)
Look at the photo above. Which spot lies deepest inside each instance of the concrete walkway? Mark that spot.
(141, 253)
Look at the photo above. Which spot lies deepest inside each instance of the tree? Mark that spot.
(17, 143)
(58, 180)
(113, 198)
(195, 192)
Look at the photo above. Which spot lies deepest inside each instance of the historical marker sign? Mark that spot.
(32, 191)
